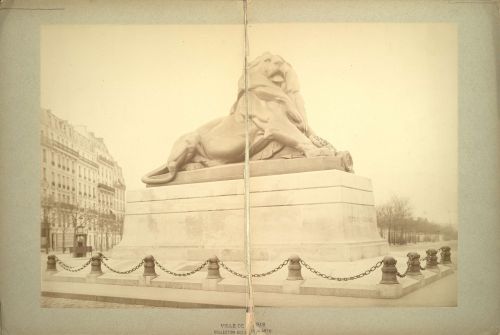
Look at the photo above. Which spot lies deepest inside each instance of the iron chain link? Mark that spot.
(122, 272)
(183, 274)
(254, 275)
(285, 262)
(402, 275)
(221, 263)
(362, 274)
(72, 268)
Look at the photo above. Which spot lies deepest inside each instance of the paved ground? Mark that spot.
(77, 303)
(440, 293)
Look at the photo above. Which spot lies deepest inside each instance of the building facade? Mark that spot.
(82, 188)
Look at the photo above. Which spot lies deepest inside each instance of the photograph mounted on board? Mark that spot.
(352, 143)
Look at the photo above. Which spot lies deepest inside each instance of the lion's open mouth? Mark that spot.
(277, 78)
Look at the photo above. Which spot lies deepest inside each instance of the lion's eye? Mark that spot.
(267, 60)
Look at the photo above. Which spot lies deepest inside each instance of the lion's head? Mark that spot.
(273, 67)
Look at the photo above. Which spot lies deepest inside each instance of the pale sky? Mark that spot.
(385, 92)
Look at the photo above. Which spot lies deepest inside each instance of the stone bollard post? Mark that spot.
(95, 265)
(445, 255)
(431, 262)
(149, 266)
(389, 271)
(414, 264)
(213, 268)
(51, 263)
(294, 268)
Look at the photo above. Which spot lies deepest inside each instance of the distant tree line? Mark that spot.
(397, 224)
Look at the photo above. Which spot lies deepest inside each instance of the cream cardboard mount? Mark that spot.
(304, 197)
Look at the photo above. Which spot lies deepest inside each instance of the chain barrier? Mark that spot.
(263, 274)
(377, 265)
(362, 274)
(402, 275)
(126, 272)
(254, 275)
(72, 268)
(184, 274)
(221, 263)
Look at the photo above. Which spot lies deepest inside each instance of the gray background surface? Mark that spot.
(479, 300)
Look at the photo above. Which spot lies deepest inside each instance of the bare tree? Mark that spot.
(396, 223)
(394, 217)
(403, 215)
(82, 217)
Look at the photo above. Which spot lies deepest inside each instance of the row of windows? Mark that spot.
(86, 173)
(62, 161)
(61, 181)
(67, 164)
(86, 190)
(63, 132)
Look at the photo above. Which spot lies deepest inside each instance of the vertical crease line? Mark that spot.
(249, 315)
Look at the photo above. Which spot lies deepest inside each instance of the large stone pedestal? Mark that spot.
(325, 215)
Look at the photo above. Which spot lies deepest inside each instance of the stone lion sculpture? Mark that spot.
(278, 126)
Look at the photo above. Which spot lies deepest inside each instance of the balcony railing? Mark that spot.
(106, 187)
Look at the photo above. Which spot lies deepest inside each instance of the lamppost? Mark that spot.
(78, 222)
